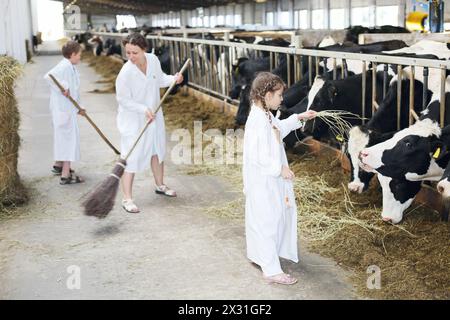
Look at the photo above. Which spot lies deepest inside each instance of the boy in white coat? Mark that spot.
(270, 210)
(66, 146)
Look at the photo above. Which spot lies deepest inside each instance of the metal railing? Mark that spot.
(212, 75)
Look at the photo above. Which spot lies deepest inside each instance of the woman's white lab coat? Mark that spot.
(136, 93)
(66, 146)
(270, 209)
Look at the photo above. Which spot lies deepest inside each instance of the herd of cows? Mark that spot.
(401, 159)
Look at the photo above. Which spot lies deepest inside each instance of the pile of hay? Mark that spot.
(108, 67)
(413, 256)
(181, 110)
(12, 191)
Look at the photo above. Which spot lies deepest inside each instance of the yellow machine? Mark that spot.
(416, 21)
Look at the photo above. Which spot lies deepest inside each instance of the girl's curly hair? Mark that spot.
(265, 82)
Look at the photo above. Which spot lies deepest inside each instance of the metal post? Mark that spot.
(443, 78)
(374, 87)
(310, 70)
(385, 77)
(334, 69)
(363, 92)
(271, 61)
(288, 61)
(411, 95)
(425, 88)
(399, 94)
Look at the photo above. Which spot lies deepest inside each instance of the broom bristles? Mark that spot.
(101, 201)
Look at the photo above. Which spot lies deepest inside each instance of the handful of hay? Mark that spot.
(338, 122)
(11, 190)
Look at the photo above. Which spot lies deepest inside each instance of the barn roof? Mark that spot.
(143, 7)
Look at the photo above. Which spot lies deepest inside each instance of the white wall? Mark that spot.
(15, 28)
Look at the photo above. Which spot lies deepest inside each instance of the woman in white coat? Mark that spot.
(66, 146)
(138, 95)
(270, 209)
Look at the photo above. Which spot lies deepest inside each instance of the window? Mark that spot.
(283, 19)
(220, 20)
(212, 21)
(229, 20)
(337, 19)
(237, 20)
(387, 15)
(125, 21)
(301, 19)
(318, 19)
(199, 22)
(194, 21)
(362, 16)
(206, 21)
(269, 18)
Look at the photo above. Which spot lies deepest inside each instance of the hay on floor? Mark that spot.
(108, 67)
(413, 256)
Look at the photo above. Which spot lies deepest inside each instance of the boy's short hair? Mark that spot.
(69, 48)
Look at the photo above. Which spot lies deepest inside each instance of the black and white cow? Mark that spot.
(412, 155)
(343, 94)
(381, 127)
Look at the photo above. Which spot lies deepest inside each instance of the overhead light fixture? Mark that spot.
(260, 1)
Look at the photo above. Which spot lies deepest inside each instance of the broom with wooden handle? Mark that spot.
(85, 115)
(101, 201)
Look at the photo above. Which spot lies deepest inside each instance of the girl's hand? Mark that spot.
(150, 116)
(66, 93)
(178, 78)
(286, 173)
(307, 115)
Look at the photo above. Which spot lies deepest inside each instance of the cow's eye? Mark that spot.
(408, 144)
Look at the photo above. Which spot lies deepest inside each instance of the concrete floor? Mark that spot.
(171, 250)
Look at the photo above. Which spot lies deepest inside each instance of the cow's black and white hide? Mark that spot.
(343, 94)
(381, 127)
(417, 153)
(353, 32)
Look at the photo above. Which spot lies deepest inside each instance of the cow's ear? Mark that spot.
(438, 149)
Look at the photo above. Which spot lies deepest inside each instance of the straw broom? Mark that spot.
(85, 115)
(101, 201)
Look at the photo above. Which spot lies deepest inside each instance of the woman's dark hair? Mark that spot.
(69, 48)
(136, 39)
(265, 82)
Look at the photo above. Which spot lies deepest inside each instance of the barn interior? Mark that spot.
(366, 66)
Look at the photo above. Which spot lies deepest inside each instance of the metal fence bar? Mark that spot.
(442, 109)
(363, 93)
(425, 88)
(411, 95)
(399, 94)
(374, 87)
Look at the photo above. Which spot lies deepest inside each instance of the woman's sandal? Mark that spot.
(56, 170)
(164, 190)
(70, 180)
(129, 206)
(282, 278)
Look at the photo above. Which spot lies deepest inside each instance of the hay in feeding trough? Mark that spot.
(12, 191)
(337, 120)
(413, 256)
(107, 66)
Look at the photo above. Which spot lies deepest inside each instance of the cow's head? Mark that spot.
(397, 197)
(238, 80)
(320, 97)
(415, 153)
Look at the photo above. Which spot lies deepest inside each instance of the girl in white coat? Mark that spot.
(270, 209)
(137, 92)
(66, 146)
